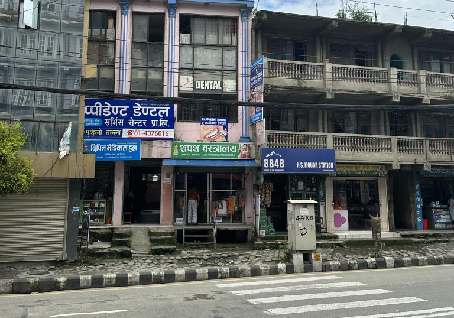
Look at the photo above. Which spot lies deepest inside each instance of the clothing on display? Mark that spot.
(231, 205)
(192, 211)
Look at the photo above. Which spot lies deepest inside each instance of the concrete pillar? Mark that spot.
(318, 49)
(119, 186)
(172, 67)
(166, 195)
(383, 198)
(380, 61)
(245, 61)
(329, 204)
(249, 212)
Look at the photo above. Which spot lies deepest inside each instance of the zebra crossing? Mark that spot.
(329, 294)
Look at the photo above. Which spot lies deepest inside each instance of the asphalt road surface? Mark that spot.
(416, 292)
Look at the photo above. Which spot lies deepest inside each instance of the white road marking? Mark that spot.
(89, 313)
(296, 287)
(407, 313)
(348, 293)
(443, 314)
(349, 305)
(278, 281)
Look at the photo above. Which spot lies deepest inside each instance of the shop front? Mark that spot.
(292, 174)
(357, 193)
(212, 191)
(437, 197)
(128, 138)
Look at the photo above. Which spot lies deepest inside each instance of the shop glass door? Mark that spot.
(355, 201)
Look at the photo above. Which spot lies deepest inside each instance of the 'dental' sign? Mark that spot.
(290, 160)
(123, 118)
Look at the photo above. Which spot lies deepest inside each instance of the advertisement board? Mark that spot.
(214, 129)
(124, 118)
(113, 149)
(298, 160)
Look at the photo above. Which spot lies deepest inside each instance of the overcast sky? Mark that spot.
(427, 13)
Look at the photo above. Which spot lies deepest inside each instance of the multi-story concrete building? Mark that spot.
(381, 96)
(41, 45)
(193, 49)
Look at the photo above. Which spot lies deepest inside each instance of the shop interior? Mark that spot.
(97, 194)
(205, 198)
(438, 203)
(142, 203)
(294, 187)
(358, 198)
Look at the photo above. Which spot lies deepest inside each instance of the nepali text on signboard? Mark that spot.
(113, 149)
(123, 118)
(213, 150)
(214, 129)
(290, 160)
(257, 88)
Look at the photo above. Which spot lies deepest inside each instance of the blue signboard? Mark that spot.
(124, 118)
(113, 149)
(419, 205)
(257, 88)
(294, 160)
(258, 115)
(257, 71)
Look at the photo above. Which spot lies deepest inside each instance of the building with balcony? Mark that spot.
(381, 96)
(41, 45)
(198, 50)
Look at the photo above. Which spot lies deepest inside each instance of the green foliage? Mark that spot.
(16, 173)
(355, 12)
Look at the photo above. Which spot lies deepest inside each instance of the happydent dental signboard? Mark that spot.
(294, 160)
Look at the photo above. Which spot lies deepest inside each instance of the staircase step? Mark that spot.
(163, 249)
(163, 240)
(121, 242)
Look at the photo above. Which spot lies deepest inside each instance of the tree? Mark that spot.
(16, 173)
(355, 12)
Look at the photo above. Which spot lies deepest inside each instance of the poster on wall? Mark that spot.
(214, 150)
(214, 129)
(124, 118)
(340, 220)
(113, 149)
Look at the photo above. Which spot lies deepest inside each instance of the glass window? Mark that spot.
(9, 12)
(72, 18)
(7, 39)
(208, 54)
(147, 53)
(49, 14)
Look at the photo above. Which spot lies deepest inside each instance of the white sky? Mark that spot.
(387, 11)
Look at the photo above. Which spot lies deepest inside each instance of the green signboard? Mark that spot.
(210, 150)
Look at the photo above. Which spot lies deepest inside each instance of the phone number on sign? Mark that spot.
(148, 133)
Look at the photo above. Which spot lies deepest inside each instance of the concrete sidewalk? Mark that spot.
(202, 264)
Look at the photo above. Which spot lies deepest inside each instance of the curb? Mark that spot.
(76, 282)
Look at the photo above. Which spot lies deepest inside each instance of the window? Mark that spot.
(283, 49)
(352, 54)
(400, 123)
(100, 71)
(193, 112)
(439, 62)
(147, 53)
(208, 55)
(298, 120)
(350, 122)
(29, 11)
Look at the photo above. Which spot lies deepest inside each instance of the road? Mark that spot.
(415, 292)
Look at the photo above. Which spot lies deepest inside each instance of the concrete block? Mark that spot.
(234, 272)
(121, 280)
(169, 277)
(72, 282)
(97, 281)
(47, 284)
(363, 264)
(145, 278)
(380, 262)
(213, 273)
(256, 270)
(190, 275)
(21, 286)
(289, 269)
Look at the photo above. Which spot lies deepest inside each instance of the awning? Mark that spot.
(209, 163)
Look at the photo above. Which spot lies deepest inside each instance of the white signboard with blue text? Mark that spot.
(113, 149)
(128, 118)
(294, 160)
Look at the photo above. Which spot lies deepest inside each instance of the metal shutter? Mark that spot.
(32, 225)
